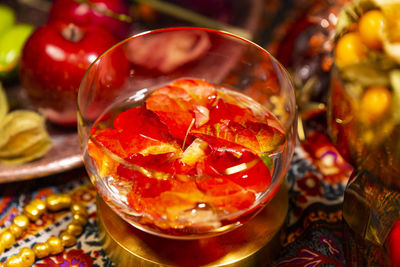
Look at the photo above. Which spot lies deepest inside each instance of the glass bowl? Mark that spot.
(186, 132)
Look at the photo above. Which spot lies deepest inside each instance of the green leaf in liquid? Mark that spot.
(265, 157)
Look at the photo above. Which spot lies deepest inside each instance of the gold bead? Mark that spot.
(7, 239)
(41, 250)
(15, 230)
(32, 212)
(2, 248)
(22, 221)
(55, 245)
(27, 256)
(79, 219)
(35, 209)
(67, 239)
(79, 208)
(74, 229)
(14, 261)
(56, 202)
(39, 204)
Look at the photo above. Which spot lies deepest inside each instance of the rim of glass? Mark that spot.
(292, 115)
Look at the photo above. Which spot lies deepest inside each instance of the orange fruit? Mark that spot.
(375, 102)
(349, 49)
(370, 28)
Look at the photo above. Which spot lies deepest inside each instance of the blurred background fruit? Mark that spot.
(349, 49)
(53, 63)
(370, 27)
(7, 18)
(112, 15)
(12, 39)
(364, 123)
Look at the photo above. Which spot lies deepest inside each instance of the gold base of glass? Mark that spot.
(253, 244)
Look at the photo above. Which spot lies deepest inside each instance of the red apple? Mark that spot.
(54, 61)
(393, 244)
(109, 14)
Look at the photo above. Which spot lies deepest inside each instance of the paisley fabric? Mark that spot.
(317, 179)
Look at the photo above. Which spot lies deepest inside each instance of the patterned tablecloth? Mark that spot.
(316, 182)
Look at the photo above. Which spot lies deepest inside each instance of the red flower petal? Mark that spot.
(174, 107)
(202, 92)
(257, 137)
(110, 139)
(218, 186)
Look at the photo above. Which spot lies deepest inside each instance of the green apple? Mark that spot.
(7, 18)
(3, 104)
(11, 43)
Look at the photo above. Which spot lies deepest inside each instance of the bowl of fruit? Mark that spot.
(364, 121)
(186, 132)
(365, 88)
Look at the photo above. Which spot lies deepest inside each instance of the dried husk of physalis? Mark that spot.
(23, 135)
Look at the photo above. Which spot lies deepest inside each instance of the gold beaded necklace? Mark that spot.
(54, 245)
